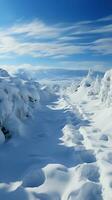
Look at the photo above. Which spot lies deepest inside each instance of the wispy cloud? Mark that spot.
(36, 29)
(108, 18)
(38, 39)
(103, 46)
(86, 28)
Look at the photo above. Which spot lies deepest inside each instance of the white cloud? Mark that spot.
(9, 44)
(38, 40)
(102, 46)
(35, 28)
(104, 19)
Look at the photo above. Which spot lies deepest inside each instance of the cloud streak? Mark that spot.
(38, 40)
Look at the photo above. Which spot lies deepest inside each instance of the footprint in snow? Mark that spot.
(33, 178)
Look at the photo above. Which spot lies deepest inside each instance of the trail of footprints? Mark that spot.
(81, 180)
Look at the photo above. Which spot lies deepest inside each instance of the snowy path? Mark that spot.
(97, 140)
(101, 145)
(60, 159)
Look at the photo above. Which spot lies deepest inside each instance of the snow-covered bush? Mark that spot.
(95, 87)
(106, 88)
(90, 84)
(88, 80)
(18, 99)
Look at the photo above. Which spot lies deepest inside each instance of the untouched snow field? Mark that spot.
(56, 138)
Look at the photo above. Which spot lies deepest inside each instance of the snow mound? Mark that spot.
(89, 191)
(34, 178)
(90, 172)
(18, 100)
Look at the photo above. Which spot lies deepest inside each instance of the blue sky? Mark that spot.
(56, 33)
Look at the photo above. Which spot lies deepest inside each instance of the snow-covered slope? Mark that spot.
(55, 138)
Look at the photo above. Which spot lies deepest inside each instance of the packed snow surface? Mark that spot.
(55, 138)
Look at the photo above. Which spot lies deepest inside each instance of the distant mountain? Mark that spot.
(54, 74)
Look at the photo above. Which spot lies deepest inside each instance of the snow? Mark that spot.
(71, 136)
(18, 99)
(106, 88)
(55, 138)
(2, 137)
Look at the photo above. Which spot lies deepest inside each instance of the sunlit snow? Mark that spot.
(55, 137)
